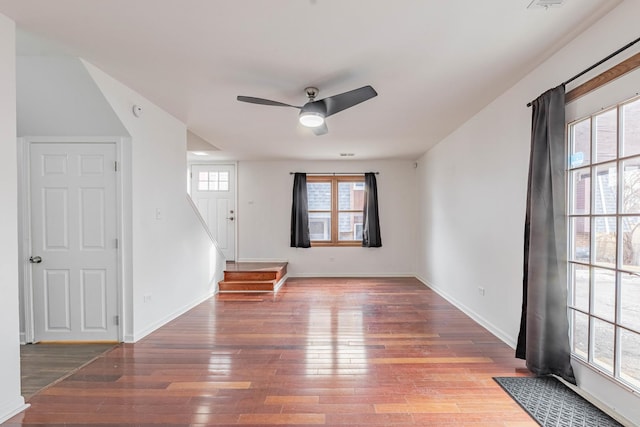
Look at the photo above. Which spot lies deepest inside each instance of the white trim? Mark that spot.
(262, 260)
(137, 336)
(24, 220)
(500, 334)
(278, 285)
(12, 408)
(356, 275)
(609, 410)
(24, 246)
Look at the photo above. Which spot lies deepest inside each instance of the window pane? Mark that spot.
(630, 242)
(630, 357)
(320, 225)
(580, 144)
(223, 186)
(203, 176)
(579, 287)
(213, 176)
(319, 195)
(631, 128)
(349, 196)
(606, 190)
(602, 341)
(630, 302)
(213, 186)
(580, 335)
(606, 139)
(605, 240)
(580, 191)
(223, 176)
(631, 189)
(203, 186)
(349, 226)
(580, 238)
(604, 293)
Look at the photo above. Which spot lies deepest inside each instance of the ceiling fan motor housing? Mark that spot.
(312, 93)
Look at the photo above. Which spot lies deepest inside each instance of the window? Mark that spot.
(213, 181)
(604, 241)
(335, 210)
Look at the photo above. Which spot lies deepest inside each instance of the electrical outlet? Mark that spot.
(481, 290)
(147, 298)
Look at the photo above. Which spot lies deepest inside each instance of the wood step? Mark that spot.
(254, 285)
(252, 277)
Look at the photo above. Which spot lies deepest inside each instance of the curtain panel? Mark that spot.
(371, 221)
(299, 213)
(543, 340)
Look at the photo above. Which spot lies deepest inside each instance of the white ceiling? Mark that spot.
(433, 64)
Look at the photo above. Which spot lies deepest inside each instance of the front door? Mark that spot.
(73, 241)
(213, 192)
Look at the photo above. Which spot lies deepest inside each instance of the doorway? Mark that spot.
(70, 232)
(213, 190)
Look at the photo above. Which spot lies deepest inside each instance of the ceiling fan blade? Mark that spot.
(262, 101)
(320, 130)
(345, 100)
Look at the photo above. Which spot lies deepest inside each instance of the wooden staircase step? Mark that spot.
(252, 277)
(254, 285)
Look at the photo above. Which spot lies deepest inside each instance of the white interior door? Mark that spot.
(73, 241)
(213, 190)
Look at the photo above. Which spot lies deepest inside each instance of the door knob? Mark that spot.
(35, 260)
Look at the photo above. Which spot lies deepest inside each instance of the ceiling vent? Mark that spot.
(544, 4)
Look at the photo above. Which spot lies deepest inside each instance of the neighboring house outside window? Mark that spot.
(604, 241)
(335, 210)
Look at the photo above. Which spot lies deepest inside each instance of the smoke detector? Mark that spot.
(544, 4)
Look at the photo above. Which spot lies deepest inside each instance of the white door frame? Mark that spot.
(235, 195)
(24, 224)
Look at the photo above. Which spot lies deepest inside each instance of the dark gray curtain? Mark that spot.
(299, 213)
(544, 327)
(371, 221)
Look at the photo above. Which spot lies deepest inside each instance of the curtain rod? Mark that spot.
(586, 70)
(332, 173)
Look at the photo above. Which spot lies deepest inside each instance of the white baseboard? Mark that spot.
(261, 260)
(11, 408)
(503, 336)
(23, 338)
(348, 275)
(137, 336)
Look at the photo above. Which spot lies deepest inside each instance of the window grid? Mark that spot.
(604, 241)
(213, 181)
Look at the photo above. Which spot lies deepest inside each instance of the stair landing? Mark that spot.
(253, 277)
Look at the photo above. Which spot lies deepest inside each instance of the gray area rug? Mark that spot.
(551, 403)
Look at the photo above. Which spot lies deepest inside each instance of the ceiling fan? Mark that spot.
(314, 113)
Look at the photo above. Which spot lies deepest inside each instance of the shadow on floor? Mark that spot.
(44, 364)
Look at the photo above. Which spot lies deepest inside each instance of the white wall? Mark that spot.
(173, 262)
(57, 97)
(264, 219)
(472, 190)
(10, 399)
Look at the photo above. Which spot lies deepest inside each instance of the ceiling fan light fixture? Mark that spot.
(311, 119)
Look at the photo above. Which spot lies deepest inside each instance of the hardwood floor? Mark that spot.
(357, 352)
(45, 363)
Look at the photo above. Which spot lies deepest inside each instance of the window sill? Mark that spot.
(339, 244)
